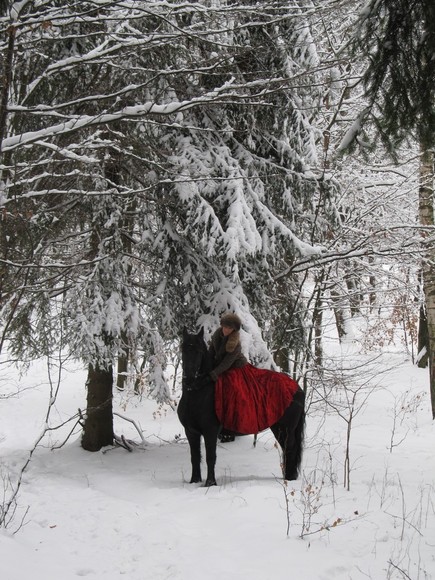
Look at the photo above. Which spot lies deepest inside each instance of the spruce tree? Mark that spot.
(157, 169)
(397, 38)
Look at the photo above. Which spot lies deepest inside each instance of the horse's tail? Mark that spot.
(299, 432)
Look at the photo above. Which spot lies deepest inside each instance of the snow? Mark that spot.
(353, 131)
(115, 514)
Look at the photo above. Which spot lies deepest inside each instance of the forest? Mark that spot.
(163, 162)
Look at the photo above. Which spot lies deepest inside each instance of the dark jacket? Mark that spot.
(225, 353)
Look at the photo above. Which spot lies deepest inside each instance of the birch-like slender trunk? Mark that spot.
(426, 214)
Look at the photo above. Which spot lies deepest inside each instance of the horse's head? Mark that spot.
(194, 354)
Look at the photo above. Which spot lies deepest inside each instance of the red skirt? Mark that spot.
(249, 399)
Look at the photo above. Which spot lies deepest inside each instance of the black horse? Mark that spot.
(196, 412)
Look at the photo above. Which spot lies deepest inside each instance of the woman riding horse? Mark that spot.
(244, 399)
(248, 399)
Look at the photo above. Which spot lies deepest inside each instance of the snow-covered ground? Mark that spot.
(115, 514)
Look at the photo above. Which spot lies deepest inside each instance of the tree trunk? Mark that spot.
(426, 213)
(6, 82)
(353, 290)
(372, 284)
(317, 324)
(423, 343)
(340, 318)
(98, 428)
(122, 371)
(123, 360)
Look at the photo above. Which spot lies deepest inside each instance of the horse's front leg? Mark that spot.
(210, 451)
(194, 439)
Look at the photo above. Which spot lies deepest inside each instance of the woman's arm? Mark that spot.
(227, 362)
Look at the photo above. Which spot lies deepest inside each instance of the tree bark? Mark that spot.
(353, 290)
(423, 343)
(123, 359)
(317, 324)
(6, 82)
(340, 318)
(98, 427)
(426, 214)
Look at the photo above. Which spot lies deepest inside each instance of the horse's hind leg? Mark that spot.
(194, 439)
(285, 440)
(288, 432)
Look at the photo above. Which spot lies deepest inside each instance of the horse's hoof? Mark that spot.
(195, 480)
(210, 483)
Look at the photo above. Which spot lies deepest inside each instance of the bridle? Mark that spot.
(191, 382)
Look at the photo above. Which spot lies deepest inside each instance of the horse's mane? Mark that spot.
(194, 344)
